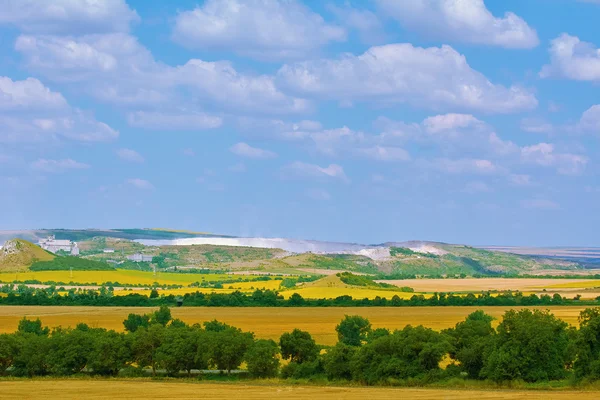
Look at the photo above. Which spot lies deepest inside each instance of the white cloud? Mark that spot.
(520, 179)
(590, 120)
(462, 21)
(188, 152)
(264, 29)
(115, 68)
(540, 204)
(30, 112)
(140, 184)
(55, 166)
(388, 74)
(544, 154)
(305, 170)
(173, 121)
(535, 125)
(130, 155)
(28, 94)
(467, 166)
(573, 59)
(366, 22)
(383, 153)
(245, 150)
(446, 122)
(68, 16)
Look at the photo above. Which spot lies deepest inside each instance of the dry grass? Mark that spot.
(145, 389)
(266, 322)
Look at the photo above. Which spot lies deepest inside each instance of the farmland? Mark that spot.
(265, 322)
(144, 388)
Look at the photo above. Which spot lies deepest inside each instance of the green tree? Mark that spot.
(146, 342)
(587, 363)
(178, 351)
(30, 326)
(410, 352)
(69, 351)
(262, 359)
(228, 347)
(31, 357)
(8, 351)
(298, 346)
(162, 316)
(353, 330)
(110, 352)
(470, 338)
(136, 321)
(336, 361)
(529, 345)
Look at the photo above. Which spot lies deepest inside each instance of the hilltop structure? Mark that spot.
(53, 245)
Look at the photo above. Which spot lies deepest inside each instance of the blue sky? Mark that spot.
(366, 121)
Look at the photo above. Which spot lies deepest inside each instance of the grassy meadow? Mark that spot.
(266, 322)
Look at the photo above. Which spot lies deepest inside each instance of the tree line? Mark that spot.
(529, 346)
(52, 296)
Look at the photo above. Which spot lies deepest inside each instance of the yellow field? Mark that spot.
(122, 276)
(265, 322)
(318, 292)
(485, 284)
(147, 389)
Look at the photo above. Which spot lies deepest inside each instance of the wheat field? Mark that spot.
(144, 389)
(265, 322)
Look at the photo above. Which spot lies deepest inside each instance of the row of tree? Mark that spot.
(24, 295)
(527, 345)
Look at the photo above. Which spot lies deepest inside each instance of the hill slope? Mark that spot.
(19, 254)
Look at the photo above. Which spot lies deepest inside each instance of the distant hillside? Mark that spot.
(19, 254)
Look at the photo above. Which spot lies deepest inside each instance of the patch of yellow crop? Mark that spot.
(316, 292)
(263, 285)
(145, 388)
(130, 277)
(575, 285)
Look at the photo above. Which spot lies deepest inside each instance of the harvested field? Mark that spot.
(266, 322)
(485, 284)
(146, 389)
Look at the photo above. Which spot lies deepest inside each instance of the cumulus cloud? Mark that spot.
(271, 29)
(130, 155)
(573, 59)
(461, 21)
(544, 154)
(590, 120)
(366, 22)
(173, 121)
(68, 16)
(28, 94)
(30, 112)
(245, 150)
(387, 74)
(116, 68)
(138, 183)
(305, 170)
(55, 166)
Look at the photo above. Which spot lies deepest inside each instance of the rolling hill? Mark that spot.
(19, 254)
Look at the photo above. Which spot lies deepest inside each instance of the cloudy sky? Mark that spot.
(454, 120)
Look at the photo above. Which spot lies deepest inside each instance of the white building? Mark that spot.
(52, 245)
(109, 250)
(139, 257)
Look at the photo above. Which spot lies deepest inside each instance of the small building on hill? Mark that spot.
(139, 257)
(53, 245)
